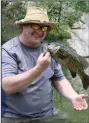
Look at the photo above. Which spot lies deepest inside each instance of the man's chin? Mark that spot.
(35, 43)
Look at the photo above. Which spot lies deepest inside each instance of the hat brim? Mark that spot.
(52, 25)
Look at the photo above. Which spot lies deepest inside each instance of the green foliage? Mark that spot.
(10, 13)
(82, 6)
(61, 32)
(65, 13)
(72, 18)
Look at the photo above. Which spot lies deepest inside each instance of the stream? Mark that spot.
(80, 42)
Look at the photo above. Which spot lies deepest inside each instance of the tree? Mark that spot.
(11, 11)
(65, 13)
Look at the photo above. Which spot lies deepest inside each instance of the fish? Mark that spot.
(69, 56)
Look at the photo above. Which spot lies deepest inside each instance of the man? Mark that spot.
(27, 74)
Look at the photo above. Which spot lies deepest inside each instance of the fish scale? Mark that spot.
(74, 62)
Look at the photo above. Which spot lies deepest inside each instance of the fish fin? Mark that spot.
(85, 81)
(84, 62)
(56, 62)
(44, 49)
(72, 50)
(73, 73)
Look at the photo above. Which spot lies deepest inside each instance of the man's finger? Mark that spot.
(47, 54)
(84, 96)
(41, 55)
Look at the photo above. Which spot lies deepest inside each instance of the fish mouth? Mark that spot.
(53, 49)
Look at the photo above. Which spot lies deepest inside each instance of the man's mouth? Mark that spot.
(37, 35)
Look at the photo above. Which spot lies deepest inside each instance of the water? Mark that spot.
(65, 105)
(80, 42)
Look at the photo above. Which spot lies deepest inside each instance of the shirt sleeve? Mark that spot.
(58, 73)
(9, 64)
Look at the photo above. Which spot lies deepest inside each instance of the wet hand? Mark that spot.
(80, 103)
(43, 61)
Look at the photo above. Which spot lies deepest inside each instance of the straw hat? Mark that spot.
(36, 15)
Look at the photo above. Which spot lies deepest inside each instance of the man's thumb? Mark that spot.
(84, 96)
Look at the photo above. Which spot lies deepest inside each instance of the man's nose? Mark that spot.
(40, 32)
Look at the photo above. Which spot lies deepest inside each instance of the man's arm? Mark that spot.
(65, 88)
(78, 100)
(17, 83)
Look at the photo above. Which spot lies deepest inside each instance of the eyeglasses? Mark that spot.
(38, 26)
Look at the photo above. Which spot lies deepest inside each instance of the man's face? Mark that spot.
(34, 33)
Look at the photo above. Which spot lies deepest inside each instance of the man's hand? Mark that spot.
(80, 103)
(43, 61)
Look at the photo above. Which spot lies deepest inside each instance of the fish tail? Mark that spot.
(85, 81)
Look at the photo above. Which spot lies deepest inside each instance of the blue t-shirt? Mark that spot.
(36, 100)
